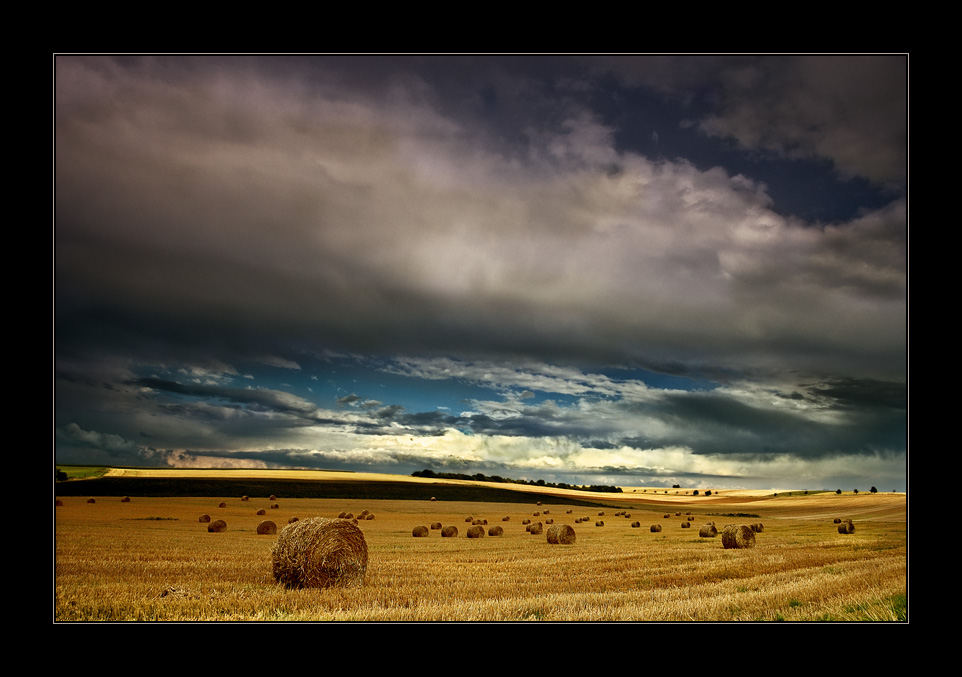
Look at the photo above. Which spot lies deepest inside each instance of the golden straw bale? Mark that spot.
(758, 527)
(204, 518)
(837, 520)
(708, 531)
(846, 527)
(435, 525)
(319, 553)
(221, 505)
(217, 526)
(292, 520)
(599, 523)
(261, 512)
(91, 500)
(275, 506)
(549, 521)
(535, 528)
(686, 525)
(125, 499)
(526, 521)
(419, 532)
(58, 502)
(272, 498)
(655, 528)
(635, 525)
(496, 530)
(667, 516)
(267, 527)
(245, 498)
(506, 518)
(449, 531)
(370, 516)
(563, 534)
(738, 536)
(476, 531)
(477, 522)
(469, 520)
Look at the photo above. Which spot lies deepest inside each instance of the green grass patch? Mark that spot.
(81, 472)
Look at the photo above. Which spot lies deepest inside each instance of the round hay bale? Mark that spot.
(419, 532)
(601, 514)
(535, 528)
(708, 531)
(370, 516)
(319, 553)
(433, 498)
(686, 525)
(568, 512)
(125, 499)
(469, 520)
(342, 515)
(635, 525)
(758, 527)
(349, 515)
(655, 528)
(539, 502)
(221, 505)
(496, 530)
(577, 520)
(526, 521)
(449, 531)
(435, 525)
(738, 536)
(599, 523)
(537, 514)
(217, 526)
(677, 514)
(549, 521)
(275, 506)
(837, 520)
(272, 498)
(506, 518)
(476, 531)
(91, 500)
(262, 512)
(292, 520)
(691, 519)
(267, 527)
(58, 503)
(563, 534)
(477, 522)
(667, 516)
(846, 527)
(204, 518)
(245, 498)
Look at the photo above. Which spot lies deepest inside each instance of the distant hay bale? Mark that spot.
(563, 534)
(204, 518)
(635, 525)
(221, 505)
(262, 512)
(272, 498)
(245, 498)
(655, 528)
(267, 527)
(536, 528)
(275, 506)
(568, 512)
(433, 498)
(708, 531)
(435, 525)
(342, 515)
(549, 521)
(292, 520)
(506, 518)
(677, 514)
(469, 520)
(476, 531)
(537, 514)
(526, 521)
(449, 531)
(738, 536)
(370, 516)
(545, 511)
(601, 514)
(419, 532)
(477, 522)
(539, 502)
(496, 530)
(686, 525)
(758, 527)
(599, 523)
(846, 527)
(577, 520)
(91, 500)
(667, 516)
(691, 519)
(58, 502)
(837, 520)
(349, 515)
(319, 553)
(217, 526)
(125, 499)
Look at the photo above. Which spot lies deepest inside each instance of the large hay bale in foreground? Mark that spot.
(655, 528)
(563, 534)
(267, 527)
(708, 531)
(846, 527)
(319, 553)
(476, 531)
(217, 526)
(449, 531)
(738, 536)
(419, 531)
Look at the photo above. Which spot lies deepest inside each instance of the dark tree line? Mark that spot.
(479, 477)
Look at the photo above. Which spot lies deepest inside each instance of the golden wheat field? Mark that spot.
(151, 559)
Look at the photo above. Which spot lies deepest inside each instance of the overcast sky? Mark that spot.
(641, 270)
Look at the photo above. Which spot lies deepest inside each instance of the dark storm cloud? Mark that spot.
(223, 211)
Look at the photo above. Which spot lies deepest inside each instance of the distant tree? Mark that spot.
(676, 486)
(60, 475)
(854, 491)
(873, 490)
(838, 491)
(708, 493)
(695, 492)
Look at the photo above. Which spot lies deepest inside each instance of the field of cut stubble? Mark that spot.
(150, 559)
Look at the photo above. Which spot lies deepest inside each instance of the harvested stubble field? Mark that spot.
(151, 559)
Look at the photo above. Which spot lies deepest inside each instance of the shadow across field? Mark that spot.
(288, 488)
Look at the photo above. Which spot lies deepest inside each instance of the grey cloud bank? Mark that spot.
(229, 228)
